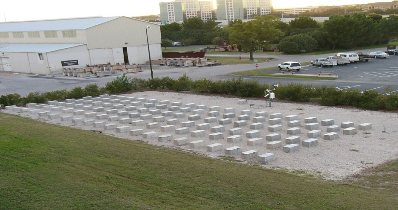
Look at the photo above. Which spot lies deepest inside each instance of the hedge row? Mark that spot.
(327, 96)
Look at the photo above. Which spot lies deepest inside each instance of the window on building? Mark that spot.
(34, 34)
(17, 34)
(69, 34)
(4, 35)
(41, 57)
(50, 34)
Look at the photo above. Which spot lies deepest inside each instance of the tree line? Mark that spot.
(301, 35)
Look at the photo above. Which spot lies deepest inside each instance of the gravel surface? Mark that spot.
(331, 159)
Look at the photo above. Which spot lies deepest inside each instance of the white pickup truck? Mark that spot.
(338, 60)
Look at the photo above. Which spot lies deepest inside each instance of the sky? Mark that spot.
(19, 10)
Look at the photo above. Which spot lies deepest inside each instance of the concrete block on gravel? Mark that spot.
(77, 121)
(291, 148)
(130, 108)
(233, 151)
(310, 120)
(240, 123)
(226, 121)
(218, 128)
(229, 110)
(261, 114)
(201, 106)
(134, 114)
(350, 131)
(183, 130)
(154, 111)
(152, 125)
(180, 141)
(235, 131)
(229, 115)
(293, 123)
(110, 126)
(293, 131)
(203, 126)
(210, 120)
(188, 124)
(145, 116)
(137, 122)
(347, 124)
(194, 117)
(149, 135)
(216, 147)
(88, 122)
(314, 134)
(259, 119)
(234, 139)
(257, 126)
(312, 142)
(291, 117)
(333, 128)
(327, 122)
(113, 118)
(293, 140)
(244, 117)
(253, 134)
(174, 108)
(196, 144)
(275, 115)
(214, 108)
(273, 137)
(198, 133)
(172, 122)
(275, 121)
(167, 128)
(330, 136)
(249, 155)
(274, 128)
(167, 113)
(122, 129)
(274, 144)
(111, 111)
(165, 138)
(179, 115)
(161, 106)
(365, 126)
(213, 113)
(149, 105)
(216, 136)
(312, 126)
(158, 119)
(255, 142)
(123, 113)
(176, 103)
(246, 112)
(266, 158)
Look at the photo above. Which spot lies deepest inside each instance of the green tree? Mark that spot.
(166, 43)
(303, 24)
(298, 44)
(259, 33)
(172, 31)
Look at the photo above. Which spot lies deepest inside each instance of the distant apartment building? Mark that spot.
(206, 10)
(180, 10)
(242, 9)
(170, 12)
(295, 11)
(380, 6)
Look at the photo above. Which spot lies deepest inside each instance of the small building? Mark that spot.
(44, 47)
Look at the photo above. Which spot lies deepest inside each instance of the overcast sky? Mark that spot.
(16, 10)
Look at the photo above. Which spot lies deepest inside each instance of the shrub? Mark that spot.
(92, 90)
(11, 99)
(56, 95)
(120, 85)
(183, 83)
(34, 98)
(76, 93)
(298, 43)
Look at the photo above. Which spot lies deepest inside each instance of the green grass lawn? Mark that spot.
(52, 167)
(233, 60)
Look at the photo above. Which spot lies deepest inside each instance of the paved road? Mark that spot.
(377, 74)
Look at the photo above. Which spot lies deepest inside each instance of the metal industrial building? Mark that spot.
(44, 47)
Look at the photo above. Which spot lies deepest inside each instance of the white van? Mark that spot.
(352, 57)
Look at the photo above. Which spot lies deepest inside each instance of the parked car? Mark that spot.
(290, 66)
(392, 51)
(352, 57)
(322, 62)
(338, 60)
(378, 54)
(363, 57)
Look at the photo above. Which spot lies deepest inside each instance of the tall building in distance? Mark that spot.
(170, 12)
(227, 10)
(180, 10)
(230, 10)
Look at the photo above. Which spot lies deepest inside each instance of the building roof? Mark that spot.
(54, 25)
(35, 48)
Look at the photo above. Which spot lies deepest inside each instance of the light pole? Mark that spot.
(149, 51)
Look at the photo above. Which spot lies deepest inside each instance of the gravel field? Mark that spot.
(330, 159)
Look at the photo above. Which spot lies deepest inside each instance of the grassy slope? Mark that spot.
(52, 167)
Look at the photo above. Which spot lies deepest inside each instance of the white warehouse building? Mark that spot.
(44, 47)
